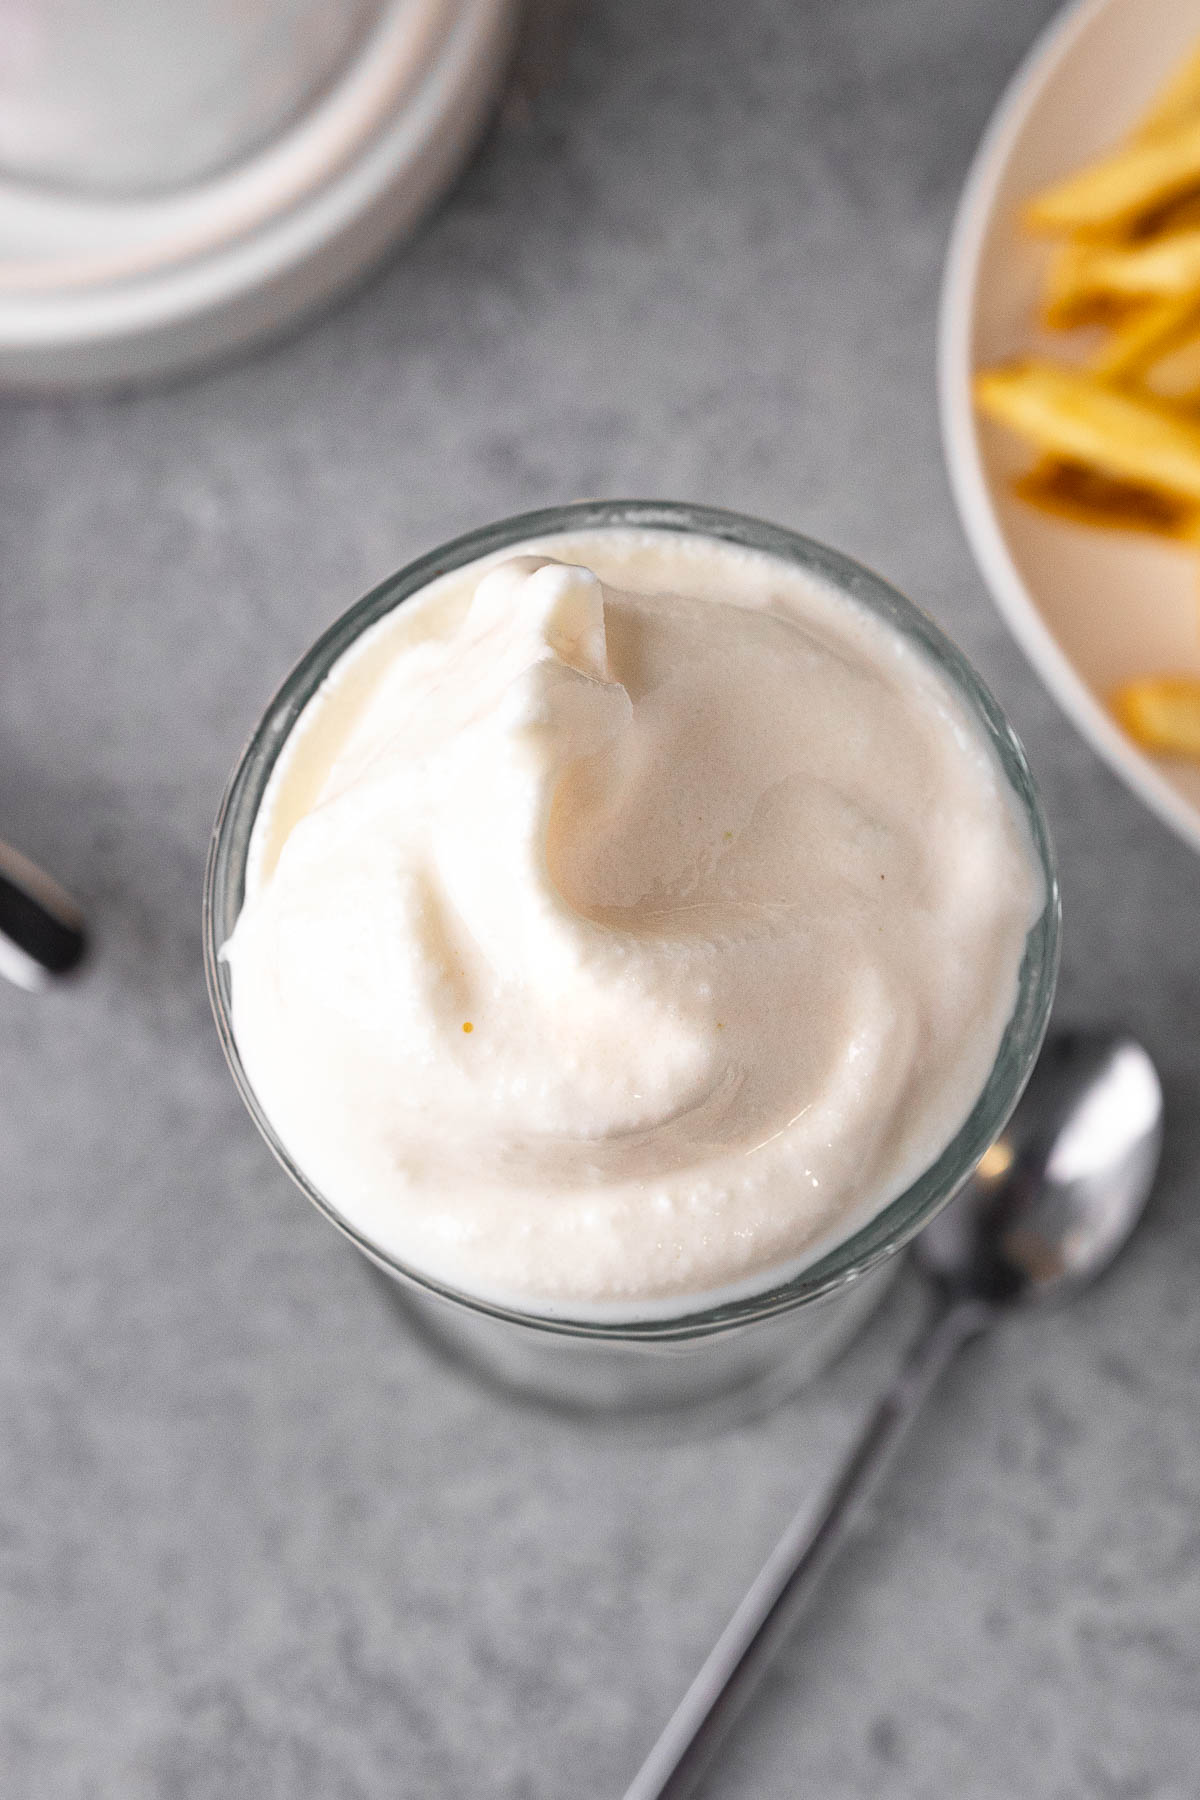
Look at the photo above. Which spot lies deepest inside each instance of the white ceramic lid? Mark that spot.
(179, 176)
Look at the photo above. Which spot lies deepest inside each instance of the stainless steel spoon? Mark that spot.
(1050, 1205)
(41, 928)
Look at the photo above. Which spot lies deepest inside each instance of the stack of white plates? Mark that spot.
(179, 176)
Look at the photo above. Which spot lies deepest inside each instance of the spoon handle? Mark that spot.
(791, 1573)
(41, 928)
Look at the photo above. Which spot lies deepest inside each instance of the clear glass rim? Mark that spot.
(891, 1228)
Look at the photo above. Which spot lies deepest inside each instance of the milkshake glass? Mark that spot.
(756, 1346)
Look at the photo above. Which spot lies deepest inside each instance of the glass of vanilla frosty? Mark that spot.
(629, 925)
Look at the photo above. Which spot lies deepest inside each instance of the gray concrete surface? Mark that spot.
(256, 1541)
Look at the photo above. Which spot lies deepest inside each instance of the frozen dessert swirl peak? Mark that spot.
(533, 652)
(540, 785)
(609, 934)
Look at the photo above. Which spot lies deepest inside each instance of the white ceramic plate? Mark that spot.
(278, 156)
(1092, 608)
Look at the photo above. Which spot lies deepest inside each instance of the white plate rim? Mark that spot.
(960, 435)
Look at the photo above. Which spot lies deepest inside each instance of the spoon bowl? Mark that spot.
(1060, 1190)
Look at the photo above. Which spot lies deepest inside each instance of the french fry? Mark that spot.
(1072, 295)
(1145, 335)
(1108, 195)
(1161, 713)
(1085, 496)
(1074, 417)
(1163, 268)
(1175, 375)
(1176, 214)
(1108, 283)
(1177, 100)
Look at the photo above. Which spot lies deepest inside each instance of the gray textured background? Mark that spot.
(255, 1540)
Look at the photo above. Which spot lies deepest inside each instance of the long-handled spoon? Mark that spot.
(41, 928)
(1049, 1207)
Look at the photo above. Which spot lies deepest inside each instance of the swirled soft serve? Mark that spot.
(627, 919)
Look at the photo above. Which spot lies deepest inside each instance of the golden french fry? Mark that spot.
(1161, 713)
(1095, 283)
(1175, 214)
(1109, 195)
(1178, 99)
(1076, 418)
(1072, 295)
(1086, 496)
(1175, 375)
(1165, 267)
(1148, 333)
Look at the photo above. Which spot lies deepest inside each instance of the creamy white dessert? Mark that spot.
(627, 920)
